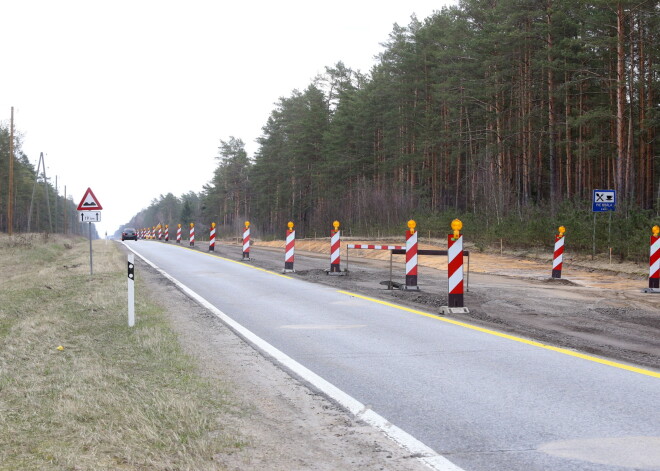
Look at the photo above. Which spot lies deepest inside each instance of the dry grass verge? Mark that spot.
(113, 398)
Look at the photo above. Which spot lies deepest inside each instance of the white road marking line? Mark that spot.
(424, 454)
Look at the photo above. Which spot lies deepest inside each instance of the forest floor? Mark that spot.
(595, 308)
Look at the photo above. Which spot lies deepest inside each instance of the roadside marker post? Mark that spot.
(335, 249)
(178, 233)
(455, 271)
(212, 238)
(131, 290)
(558, 258)
(290, 249)
(411, 257)
(246, 242)
(192, 234)
(654, 262)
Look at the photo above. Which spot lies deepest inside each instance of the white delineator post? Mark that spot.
(131, 290)
(290, 248)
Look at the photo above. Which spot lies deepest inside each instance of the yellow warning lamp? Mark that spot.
(411, 225)
(456, 226)
(247, 224)
(655, 230)
(192, 224)
(179, 226)
(212, 225)
(561, 230)
(290, 225)
(336, 225)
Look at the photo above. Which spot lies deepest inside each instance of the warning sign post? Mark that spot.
(90, 208)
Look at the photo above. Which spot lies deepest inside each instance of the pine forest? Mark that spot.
(505, 113)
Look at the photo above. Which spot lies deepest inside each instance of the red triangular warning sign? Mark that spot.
(89, 202)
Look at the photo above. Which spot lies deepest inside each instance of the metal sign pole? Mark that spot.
(91, 270)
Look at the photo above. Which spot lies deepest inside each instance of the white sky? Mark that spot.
(132, 98)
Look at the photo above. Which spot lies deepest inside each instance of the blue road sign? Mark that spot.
(604, 200)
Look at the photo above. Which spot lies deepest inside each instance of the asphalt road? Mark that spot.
(483, 401)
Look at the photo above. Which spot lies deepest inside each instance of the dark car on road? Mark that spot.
(129, 234)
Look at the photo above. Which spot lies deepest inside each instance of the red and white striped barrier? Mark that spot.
(290, 249)
(335, 249)
(654, 261)
(160, 232)
(376, 247)
(192, 234)
(246, 241)
(411, 256)
(167, 233)
(455, 270)
(178, 233)
(212, 238)
(558, 258)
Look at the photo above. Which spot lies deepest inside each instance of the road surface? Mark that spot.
(480, 400)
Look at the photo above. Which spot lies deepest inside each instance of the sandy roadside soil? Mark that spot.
(593, 309)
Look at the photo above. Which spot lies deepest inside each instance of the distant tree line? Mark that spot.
(50, 211)
(508, 109)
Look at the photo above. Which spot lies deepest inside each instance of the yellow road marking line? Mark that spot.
(533, 343)
(234, 261)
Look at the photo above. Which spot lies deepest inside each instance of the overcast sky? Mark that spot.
(132, 98)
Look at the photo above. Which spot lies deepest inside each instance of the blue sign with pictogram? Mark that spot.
(604, 200)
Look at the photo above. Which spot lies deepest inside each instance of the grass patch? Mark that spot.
(115, 397)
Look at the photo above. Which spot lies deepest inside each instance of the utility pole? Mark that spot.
(56, 198)
(40, 166)
(10, 197)
(66, 208)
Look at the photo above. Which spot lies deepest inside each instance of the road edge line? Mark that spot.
(419, 450)
(533, 343)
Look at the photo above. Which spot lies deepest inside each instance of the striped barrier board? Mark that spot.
(290, 249)
(376, 247)
(246, 243)
(455, 271)
(558, 256)
(654, 263)
(335, 245)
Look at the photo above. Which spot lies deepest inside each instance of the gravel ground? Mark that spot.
(289, 426)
